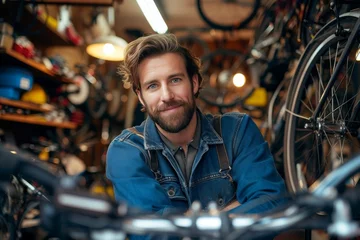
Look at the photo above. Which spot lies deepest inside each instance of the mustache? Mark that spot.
(168, 105)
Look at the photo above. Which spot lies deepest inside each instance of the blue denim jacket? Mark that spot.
(253, 171)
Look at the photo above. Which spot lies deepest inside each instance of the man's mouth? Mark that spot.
(168, 108)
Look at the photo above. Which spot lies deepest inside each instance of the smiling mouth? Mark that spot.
(171, 108)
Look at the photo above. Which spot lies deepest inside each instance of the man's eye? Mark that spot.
(175, 80)
(152, 86)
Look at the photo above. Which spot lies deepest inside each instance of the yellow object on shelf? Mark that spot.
(35, 95)
(50, 21)
(258, 98)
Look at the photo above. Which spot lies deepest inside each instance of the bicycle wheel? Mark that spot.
(234, 11)
(197, 46)
(314, 145)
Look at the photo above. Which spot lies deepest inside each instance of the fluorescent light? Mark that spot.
(152, 15)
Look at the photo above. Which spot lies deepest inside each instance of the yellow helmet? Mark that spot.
(35, 95)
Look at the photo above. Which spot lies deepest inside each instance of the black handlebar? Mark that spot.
(15, 162)
(72, 211)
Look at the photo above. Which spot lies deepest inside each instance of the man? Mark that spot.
(173, 159)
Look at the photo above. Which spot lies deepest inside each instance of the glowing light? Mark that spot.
(239, 80)
(108, 49)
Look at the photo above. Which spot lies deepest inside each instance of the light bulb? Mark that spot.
(239, 80)
(108, 49)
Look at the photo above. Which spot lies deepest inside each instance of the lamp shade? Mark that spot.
(110, 48)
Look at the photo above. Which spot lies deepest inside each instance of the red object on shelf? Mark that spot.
(73, 36)
(23, 46)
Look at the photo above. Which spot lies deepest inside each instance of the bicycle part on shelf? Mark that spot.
(322, 119)
(78, 92)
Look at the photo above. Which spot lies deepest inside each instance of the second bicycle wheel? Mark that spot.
(316, 144)
(235, 14)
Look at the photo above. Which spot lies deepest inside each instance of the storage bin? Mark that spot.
(16, 77)
(10, 93)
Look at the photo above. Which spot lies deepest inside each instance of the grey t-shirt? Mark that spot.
(185, 162)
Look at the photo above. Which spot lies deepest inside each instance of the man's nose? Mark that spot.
(166, 94)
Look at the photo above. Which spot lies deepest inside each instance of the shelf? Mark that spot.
(75, 2)
(13, 57)
(36, 120)
(32, 26)
(25, 105)
(71, 2)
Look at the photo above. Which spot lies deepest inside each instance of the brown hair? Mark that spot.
(151, 45)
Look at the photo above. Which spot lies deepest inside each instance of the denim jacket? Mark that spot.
(253, 171)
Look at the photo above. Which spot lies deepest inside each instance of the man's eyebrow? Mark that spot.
(149, 82)
(176, 75)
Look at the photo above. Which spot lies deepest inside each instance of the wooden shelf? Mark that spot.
(32, 26)
(72, 2)
(36, 120)
(24, 105)
(11, 56)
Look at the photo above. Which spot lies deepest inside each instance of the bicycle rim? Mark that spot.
(234, 10)
(313, 148)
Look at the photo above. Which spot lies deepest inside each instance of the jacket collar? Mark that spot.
(152, 139)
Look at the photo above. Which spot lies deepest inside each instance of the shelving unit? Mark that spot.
(24, 105)
(13, 57)
(36, 28)
(31, 119)
(36, 120)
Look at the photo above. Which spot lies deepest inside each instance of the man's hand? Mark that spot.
(231, 205)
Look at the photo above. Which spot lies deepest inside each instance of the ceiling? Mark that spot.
(183, 18)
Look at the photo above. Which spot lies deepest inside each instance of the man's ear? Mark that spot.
(195, 81)
(138, 93)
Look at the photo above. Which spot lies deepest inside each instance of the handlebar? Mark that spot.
(73, 212)
(15, 162)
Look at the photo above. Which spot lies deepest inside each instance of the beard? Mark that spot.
(177, 121)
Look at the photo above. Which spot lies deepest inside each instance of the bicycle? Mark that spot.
(322, 111)
(68, 213)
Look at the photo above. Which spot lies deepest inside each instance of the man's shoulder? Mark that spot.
(229, 116)
(133, 134)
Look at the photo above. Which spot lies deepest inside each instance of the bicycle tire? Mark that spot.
(300, 172)
(228, 27)
(197, 46)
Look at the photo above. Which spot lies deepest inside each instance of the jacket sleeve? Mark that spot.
(259, 185)
(133, 180)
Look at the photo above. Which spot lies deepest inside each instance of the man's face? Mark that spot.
(167, 92)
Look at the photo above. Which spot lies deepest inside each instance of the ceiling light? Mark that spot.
(110, 48)
(152, 15)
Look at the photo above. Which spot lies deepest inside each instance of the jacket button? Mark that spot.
(171, 192)
(220, 201)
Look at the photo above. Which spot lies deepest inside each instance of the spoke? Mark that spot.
(341, 105)
(331, 146)
(347, 87)
(311, 110)
(303, 137)
(353, 104)
(332, 95)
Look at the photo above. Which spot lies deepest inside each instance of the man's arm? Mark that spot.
(254, 172)
(133, 180)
